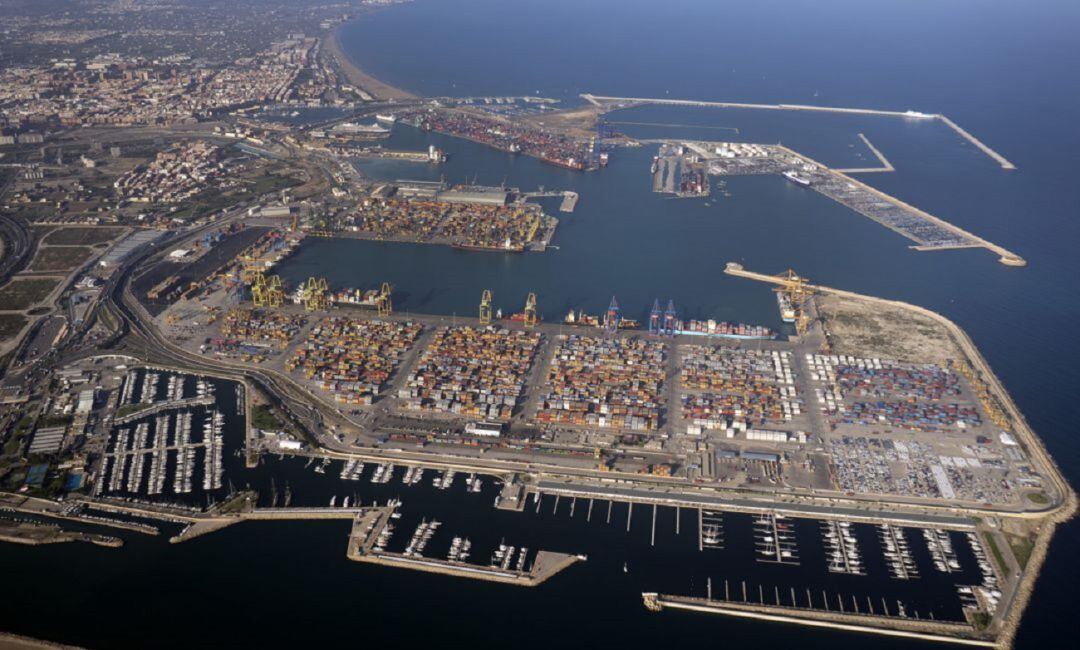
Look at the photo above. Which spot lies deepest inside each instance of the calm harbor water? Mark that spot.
(1003, 70)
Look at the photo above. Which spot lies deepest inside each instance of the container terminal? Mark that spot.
(584, 389)
(548, 145)
(470, 216)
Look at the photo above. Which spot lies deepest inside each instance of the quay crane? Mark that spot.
(670, 318)
(315, 294)
(654, 317)
(266, 292)
(611, 318)
(485, 307)
(386, 306)
(530, 310)
(797, 290)
(989, 402)
(275, 293)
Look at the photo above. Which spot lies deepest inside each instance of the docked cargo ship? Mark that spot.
(588, 320)
(360, 129)
(725, 330)
(787, 310)
(568, 163)
(356, 297)
(795, 178)
(506, 247)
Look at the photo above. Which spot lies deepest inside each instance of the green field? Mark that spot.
(23, 294)
(1039, 498)
(82, 236)
(263, 418)
(1021, 548)
(60, 258)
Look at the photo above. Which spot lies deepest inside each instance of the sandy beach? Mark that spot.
(356, 75)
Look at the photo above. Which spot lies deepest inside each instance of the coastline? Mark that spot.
(356, 75)
(10, 641)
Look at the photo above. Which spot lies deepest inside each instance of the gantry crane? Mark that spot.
(258, 289)
(315, 294)
(485, 307)
(275, 293)
(385, 304)
(797, 291)
(612, 318)
(530, 310)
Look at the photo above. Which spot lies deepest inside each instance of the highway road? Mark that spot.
(17, 245)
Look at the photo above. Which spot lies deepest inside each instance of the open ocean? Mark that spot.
(1007, 72)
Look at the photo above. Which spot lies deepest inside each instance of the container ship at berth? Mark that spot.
(588, 320)
(519, 317)
(506, 247)
(356, 297)
(709, 328)
(787, 310)
(798, 180)
(725, 330)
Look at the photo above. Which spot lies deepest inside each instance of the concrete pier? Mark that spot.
(1005, 164)
(569, 202)
(513, 496)
(886, 166)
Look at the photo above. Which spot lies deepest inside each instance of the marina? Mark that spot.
(775, 540)
(897, 552)
(842, 547)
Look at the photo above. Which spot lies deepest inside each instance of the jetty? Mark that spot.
(834, 617)
(614, 103)
(886, 166)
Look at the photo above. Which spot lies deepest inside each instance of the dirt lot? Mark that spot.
(59, 258)
(10, 325)
(576, 121)
(22, 294)
(873, 330)
(81, 236)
